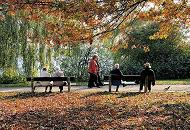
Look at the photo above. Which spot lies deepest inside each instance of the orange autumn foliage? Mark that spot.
(75, 21)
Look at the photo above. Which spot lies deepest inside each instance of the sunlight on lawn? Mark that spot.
(97, 110)
(174, 82)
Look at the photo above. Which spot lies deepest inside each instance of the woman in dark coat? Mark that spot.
(147, 77)
(116, 76)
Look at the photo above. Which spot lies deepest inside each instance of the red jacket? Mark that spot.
(93, 67)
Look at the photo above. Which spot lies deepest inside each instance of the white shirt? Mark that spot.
(44, 74)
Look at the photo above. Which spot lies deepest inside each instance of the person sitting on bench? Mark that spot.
(60, 84)
(116, 76)
(44, 73)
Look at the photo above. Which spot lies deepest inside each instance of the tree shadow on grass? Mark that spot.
(89, 116)
(104, 116)
(119, 95)
(27, 95)
(172, 116)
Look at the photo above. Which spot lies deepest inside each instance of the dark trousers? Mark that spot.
(92, 80)
(50, 88)
(99, 80)
(142, 84)
(61, 87)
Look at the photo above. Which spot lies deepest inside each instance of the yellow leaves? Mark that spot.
(146, 49)
(158, 36)
(163, 33)
(142, 15)
(12, 12)
(93, 22)
(77, 17)
(115, 48)
(125, 46)
(35, 17)
(187, 22)
(106, 36)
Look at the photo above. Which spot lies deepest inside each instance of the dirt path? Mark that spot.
(128, 88)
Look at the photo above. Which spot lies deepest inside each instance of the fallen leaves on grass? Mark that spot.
(100, 110)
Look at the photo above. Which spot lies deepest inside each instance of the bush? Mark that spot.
(169, 57)
(10, 76)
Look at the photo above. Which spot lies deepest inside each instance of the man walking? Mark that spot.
(147, 78)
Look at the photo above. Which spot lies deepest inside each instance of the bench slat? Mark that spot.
(131, 77)
(50, 79)
(124, 78)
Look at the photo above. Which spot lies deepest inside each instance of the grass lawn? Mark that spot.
(15, 85)
(158, 82)
(95, 110)
(174, 82)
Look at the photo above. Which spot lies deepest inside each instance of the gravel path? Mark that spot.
(128, 88)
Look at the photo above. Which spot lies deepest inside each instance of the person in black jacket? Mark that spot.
(147, 77)
(98, 75)
(116, 76)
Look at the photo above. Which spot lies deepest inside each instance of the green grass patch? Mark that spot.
(158, 82)
(14, 85)
(173, 82)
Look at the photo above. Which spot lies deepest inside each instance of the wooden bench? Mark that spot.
(68, 79)
(127, 78)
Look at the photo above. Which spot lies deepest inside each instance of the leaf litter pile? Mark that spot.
(95, 110)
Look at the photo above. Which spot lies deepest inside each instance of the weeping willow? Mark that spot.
(22, 50)
(16, 45)
(8, 43)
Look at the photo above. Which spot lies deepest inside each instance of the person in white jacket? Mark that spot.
(60, 84)
(44, 73)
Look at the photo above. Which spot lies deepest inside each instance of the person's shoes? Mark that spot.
(98, 86)
(64, 84)
(50, 91)
(124, 85)
(139, 91)
(101, 84)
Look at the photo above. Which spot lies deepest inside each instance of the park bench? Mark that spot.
(67, 79)
(125, 78)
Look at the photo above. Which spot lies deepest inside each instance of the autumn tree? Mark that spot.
(169, 57)
(70, 21)
(73, 22)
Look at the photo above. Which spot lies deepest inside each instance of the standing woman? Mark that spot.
(147, 78)
(93, 71)
(116, 76)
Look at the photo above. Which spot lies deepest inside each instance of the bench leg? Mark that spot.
(109, 84)
(32, 86)
(69, 84)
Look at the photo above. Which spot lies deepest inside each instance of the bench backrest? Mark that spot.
(50, 78)
(124, 78)
(131, 77)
